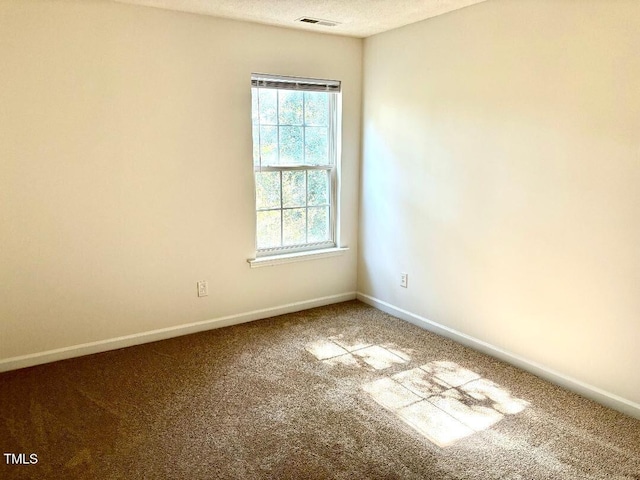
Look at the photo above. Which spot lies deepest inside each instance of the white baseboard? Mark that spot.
(38, 358)
(589, 391)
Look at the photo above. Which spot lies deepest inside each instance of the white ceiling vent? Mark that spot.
(317, 21)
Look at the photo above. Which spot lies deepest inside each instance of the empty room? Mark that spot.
(264, 239)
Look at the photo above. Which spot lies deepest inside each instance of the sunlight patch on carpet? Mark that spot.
(433, 423)
(324, 349)
(347, 360)
(379, 358)
(502, 401)
(338, 351)
(420, 382)
(443, 401)
(449, 372)
(390, 394)
(348, 344)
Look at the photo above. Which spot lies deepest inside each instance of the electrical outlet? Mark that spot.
(203, 289)
(404, 280)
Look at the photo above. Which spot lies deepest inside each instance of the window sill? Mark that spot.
(296, 257)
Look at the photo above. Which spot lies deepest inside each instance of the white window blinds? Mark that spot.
(294, 83)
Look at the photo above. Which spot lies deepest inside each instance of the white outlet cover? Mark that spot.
(203, 289)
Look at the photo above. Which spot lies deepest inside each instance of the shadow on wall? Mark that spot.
(441, 400)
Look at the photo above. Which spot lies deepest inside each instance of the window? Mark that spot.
(295, 145)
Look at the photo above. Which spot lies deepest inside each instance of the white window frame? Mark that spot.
(332, 88)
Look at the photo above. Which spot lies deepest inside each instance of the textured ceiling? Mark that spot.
(357, 18)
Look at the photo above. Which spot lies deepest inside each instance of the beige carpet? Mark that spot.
(343, 391)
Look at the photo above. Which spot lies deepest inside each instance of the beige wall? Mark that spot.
(501, 170)
(126, 171)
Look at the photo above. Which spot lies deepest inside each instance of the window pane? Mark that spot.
(318, 224)
(294, 189)
(268, 106)
(290, 107)
(316, 145)
(316, 108)
(256, 148)
(254, 106)
(291, 145)
(318, 187)
(294, 226)
(267, 190)
(269, 145)
(268, 229)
